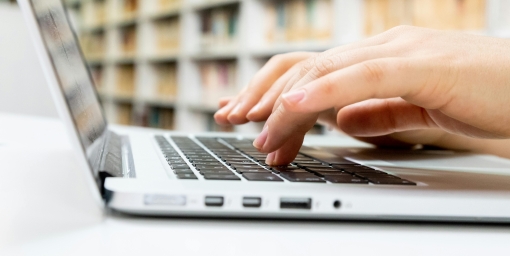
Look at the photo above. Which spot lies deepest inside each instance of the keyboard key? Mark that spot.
(244, 162)
(187, 176)
(252, 170)
(345, 179)
(176, 161)
(236, 159)
(391, 181)
(221, 177)
(182, 171)
(324, 173)
(179, 166)
(376, 176)
(211, 167)
(210, 164)
(284, 168)
(247, 166)
(206, 172)
(261, 177)
(301, 177)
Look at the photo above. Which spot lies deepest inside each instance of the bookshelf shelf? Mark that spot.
(165, 63)
(210, 4)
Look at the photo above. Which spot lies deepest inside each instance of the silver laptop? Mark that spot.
(164, 173)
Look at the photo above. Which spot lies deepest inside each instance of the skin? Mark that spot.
(404, 87)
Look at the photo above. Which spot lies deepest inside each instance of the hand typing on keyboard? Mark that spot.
(404, 87)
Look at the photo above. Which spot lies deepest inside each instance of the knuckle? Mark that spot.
(307, 67)
(372, 72)
(324, 66)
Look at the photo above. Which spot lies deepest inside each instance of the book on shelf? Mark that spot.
(165, 5)
(219, 27)
(166, 80)
(93, 45)
(97, 76)
(124, 115)
(290, 21)
(94, 13)
(128, 41)
(218, 80)
(381, 15)
(125, 80)
(161, 118)
(129, 9)
(167, 35)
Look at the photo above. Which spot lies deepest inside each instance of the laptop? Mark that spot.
(153, 172)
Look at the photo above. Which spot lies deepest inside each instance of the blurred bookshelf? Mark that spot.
(166, 63)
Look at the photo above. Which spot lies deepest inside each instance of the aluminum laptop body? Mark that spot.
(134, 170)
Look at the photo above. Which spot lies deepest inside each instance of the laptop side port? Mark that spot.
(252, 202)
(216, 201)
(295, 203)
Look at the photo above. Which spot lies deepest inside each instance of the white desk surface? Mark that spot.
(45, 209)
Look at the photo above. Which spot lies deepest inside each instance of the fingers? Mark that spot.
(278, 129)
(379, 117)
(235, 112)
(224, 101)
(262, 110)
(380, 78)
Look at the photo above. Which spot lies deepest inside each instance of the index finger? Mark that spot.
(414, 80)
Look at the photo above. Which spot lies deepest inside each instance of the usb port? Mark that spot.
(214, 201)
(253, 202)
(295, 203)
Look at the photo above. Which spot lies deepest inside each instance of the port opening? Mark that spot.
(296, 203)
(337, 204)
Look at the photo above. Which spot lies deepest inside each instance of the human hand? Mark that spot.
(403, 80)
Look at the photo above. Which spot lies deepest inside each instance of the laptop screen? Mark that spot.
(73, 76)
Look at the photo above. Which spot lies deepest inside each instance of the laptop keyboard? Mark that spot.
(231, 158)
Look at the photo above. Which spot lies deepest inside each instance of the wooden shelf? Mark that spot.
(249, 34)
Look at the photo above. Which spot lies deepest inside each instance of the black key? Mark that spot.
(202, 160)
(261, 177)
(285, 168)
(376, 176)
(252, 170)
(303, 162)
(187, 176)
(368, 171)
(208, 171)
(235, 166)
(315, 165)
(333, 172)
(221, 177)
(391, 181)
(301, 177)
(244, 162)
(211, 167)
(210, 164)
(345, 179)
(198, 154)
(179, 166)
(230, 156)
(173, 158)
(237, 159)
(172, 162)
(179, 171)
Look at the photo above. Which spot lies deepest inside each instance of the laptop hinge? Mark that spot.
(116, 158)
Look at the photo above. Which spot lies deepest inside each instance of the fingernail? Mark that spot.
(261, 139)
(236, 110)
(270, 158)
(294, 97)
(254, 110)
